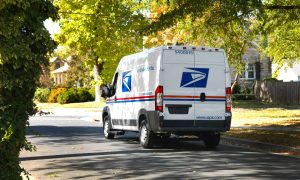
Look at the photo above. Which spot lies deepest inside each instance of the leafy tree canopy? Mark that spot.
(274, 24)
(103, 30)
(24, 47)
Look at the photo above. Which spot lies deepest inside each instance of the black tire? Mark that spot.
(165, 136)
(211, 139)
(106, 128)
(146, 136)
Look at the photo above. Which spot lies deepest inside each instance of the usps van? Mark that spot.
(181, 90)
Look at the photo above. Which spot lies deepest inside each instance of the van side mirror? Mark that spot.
(105, 92)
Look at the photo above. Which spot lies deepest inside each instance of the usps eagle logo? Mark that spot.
(126, 81)
(194, 77)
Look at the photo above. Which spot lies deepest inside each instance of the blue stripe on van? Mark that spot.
(217, 100)
(143, 100)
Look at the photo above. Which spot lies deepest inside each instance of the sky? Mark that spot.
(52, 27)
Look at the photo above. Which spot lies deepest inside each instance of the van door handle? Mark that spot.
(202, 97)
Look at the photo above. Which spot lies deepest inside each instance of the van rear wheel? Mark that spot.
(106, 128)
(211, 139)
(146, 136)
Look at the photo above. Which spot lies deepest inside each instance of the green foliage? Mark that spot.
(84, 95)
(236, 89)
(243, 93)
(54, 94)
(281, 28)
(62, 52)
(101, 30)
(24, 45)
(42, 94)
(92, 92)
(230, 25)
(244, 97)
(79, 73)
(73, 95)
(68, 96)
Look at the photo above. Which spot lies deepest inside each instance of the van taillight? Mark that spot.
(159, 96)
(228, 102)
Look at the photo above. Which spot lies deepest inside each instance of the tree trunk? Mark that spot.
(236, 81)
(97, 87)
(98, 67)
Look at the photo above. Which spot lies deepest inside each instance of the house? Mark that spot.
(60, 73)
(56, 63)
(255, 67)
(287, 73)
(45, 79)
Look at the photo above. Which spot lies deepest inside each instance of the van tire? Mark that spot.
(211, 139)
(146, 136)
(107, 128)
(165, 136)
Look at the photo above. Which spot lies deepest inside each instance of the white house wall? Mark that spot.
(287, 74)
(251, 56)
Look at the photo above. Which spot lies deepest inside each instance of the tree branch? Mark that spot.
(278, 7)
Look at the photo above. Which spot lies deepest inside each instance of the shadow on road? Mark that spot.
(64, 135)
(170, 159)
(68, 135)
(157, 164)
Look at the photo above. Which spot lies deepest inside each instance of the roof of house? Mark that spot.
(68, 59)
(62, 69)
(54, 59)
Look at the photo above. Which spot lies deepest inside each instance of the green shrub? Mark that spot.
(236, 89)
(84, 95)
(42, 94)
(68, 96)
(244, 97)
(71, 95)
(246, 90)
(54, 94)
(92, 92)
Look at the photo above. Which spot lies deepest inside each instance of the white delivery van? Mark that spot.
(181, 90)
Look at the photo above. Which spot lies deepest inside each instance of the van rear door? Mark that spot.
(194, 88)
(178, 103)
(210, 95)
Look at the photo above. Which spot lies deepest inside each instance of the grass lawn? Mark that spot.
(285, 138)
(262, 114)
(255, 114)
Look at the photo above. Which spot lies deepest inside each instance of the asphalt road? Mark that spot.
(71, 148)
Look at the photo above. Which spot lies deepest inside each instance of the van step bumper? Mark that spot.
(159, 124)
(195, 126)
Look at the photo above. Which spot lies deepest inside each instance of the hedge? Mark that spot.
(42, 94)
(54, 94)
(74, 95)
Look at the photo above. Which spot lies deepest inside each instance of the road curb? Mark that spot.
(257, 145)
(266, 128)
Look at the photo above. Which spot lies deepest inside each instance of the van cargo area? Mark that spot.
(170, 89)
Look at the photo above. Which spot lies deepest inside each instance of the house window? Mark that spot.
(248, 72)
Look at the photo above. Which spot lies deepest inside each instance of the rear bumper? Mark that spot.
(160, 125)
(195, 126)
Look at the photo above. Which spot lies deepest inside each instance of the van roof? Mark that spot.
(200, 48)
(175, 47)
